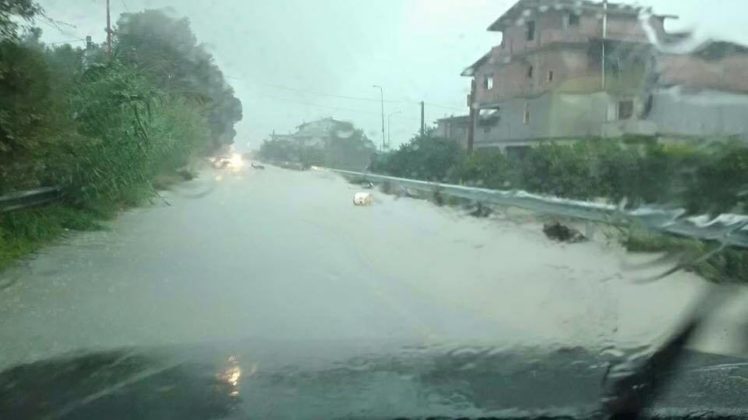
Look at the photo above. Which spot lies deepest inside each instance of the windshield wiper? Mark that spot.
(634, 389)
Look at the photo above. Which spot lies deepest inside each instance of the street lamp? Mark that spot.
(389, 126)
(381, 93)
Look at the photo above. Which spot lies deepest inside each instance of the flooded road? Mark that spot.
(277, 254)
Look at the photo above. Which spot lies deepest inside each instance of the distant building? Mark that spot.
(318, 133)
(326, 142)
(454, 128)
(570, 69)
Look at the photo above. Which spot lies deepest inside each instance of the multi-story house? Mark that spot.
(571, 69)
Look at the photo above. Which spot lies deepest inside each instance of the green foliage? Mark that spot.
(10, 13)
(129, 132)
(565, 171)
(720, 183)
(487, 168)
(344, 147)
(166, 50)
(103, 129)
(24, 92)
(713, 179)
(24, 232)
(425, 157)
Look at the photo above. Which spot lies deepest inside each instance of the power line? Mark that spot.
(336, 108)
(66, 41)
(355, 98)
(57, 24)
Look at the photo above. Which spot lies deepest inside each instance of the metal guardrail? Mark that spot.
(31, 198)
(729, 229)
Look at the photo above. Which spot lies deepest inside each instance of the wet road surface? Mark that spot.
(284, 255)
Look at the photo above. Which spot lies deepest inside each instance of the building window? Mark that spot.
(486, 130)
(625, 109)
(531, 31)
(488, 81)
(573, 19)
(530, 71)
(526, 116)
(550, 76)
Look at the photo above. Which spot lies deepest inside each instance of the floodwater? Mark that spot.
(278, 254)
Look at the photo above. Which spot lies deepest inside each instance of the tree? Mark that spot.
(488, 168)
(427, 157)
(24, 89)
(167, 51)
(721, 181)
(343, 147)
(11, 11)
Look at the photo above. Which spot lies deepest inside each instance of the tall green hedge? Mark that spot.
(702, 179)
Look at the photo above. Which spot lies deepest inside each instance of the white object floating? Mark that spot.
(363, 199)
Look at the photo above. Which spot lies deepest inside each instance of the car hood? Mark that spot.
(287, 379)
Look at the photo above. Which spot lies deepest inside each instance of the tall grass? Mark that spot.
(23, 232)
(124, 132)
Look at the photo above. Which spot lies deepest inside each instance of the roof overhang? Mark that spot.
(470, 71)
(526, 8)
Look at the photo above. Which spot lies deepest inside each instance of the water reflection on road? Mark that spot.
(285, 255)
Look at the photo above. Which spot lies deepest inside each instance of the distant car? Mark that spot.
(221, 163)
(257, 165)
(234, 162)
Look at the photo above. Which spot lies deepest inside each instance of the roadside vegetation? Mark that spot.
(353, 150)
(700, 178)
(709, 178)
(103, 127)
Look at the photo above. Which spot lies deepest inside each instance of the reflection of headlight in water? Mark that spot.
(231, 375)
(236, 162)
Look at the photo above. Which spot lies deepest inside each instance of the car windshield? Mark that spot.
(392, 208)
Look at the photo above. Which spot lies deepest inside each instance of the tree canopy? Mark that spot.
(13, 10)
(167, 51)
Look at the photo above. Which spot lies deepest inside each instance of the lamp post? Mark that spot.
(381, 93)
(389, 127)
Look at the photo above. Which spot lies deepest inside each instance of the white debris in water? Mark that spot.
(363, 199)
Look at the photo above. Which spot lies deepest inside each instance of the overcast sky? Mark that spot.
(292, 61)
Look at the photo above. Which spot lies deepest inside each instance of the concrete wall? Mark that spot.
(673, 112)
(550, 116)
(727, 74)
(703, 114)
(455, 129)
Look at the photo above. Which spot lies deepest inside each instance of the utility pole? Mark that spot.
(471, 127)
(381, 92)
(423, 120)
(108, 29)
(605, 36)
